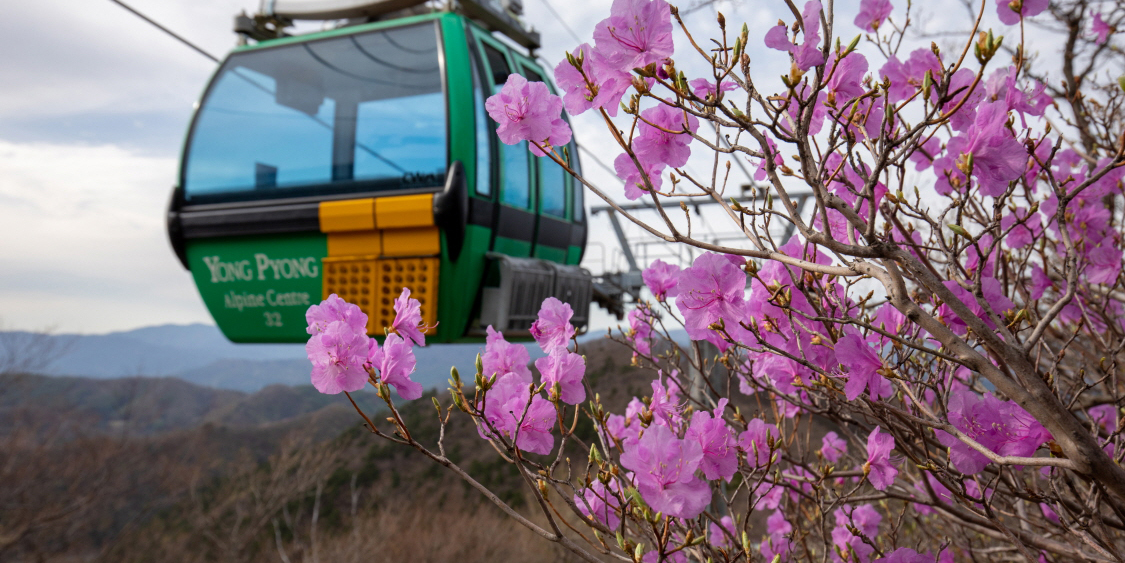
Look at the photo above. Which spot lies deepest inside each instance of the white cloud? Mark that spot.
(84, 244)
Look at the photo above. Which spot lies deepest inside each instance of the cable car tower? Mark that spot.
(361, 160)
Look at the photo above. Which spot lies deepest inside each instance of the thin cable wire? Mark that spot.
(551, 9)
(197, 48)
(699, 6)
(597, 160)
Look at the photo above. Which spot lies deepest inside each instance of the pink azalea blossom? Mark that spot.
(599, 503)
(941, 494)
(778, 543)
(656, 144)
(782, 371)
(872, 13)
(771, 153)
(905, 555)
(603, 89)
(1028, 8)
(565, 369)
(796, 113)
(863, 369)
(808, 53)
(767, 495)
(1099, 29)
(502, 357)
(665, 403)
(634, 181)
(865, 519)
(395, 362)
(710, 290)
(408, 319)
(961, 82)
(1004, 86)
(655, 557)
(1025, 232)
(338, 354)
(926, 154)
(721, 534)
(1048, 512)
(553, 329)
(881, 469)
(661, 279)
(636, 34)
(890, 319)
(528, 111)
(756, 440)
(907, 78)
(720, 454)
(1105, 416)
(640, 322)
(1103, 261)
(335, 309)
(832, 447)
(504, 407)
(993, 294)
(664, 468)
(1001, 426)
(622, 429)
(998, 158)
(703, 87)
(846, 77)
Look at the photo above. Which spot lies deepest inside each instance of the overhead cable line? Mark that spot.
(551, 9)
(197, 48)
(200, 50)
(215, 59)
(597, 160)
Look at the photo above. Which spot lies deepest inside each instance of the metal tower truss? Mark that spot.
(618, 275)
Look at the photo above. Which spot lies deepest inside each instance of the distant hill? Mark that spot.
(151, 405)
(200, 354)
(157, 351)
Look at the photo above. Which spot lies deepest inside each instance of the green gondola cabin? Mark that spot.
(361, 160)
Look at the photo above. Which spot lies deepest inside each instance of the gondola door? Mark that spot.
(514, 219)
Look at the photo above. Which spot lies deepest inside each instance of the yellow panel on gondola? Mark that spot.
(374, 283)
(347, 215)
(411, 242)
(404, 211)
(355, 243)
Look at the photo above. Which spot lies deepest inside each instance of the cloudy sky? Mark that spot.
(92, 113)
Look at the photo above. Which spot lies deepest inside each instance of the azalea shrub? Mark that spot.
(928, 369)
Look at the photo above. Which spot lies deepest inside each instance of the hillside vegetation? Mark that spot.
(159, 469)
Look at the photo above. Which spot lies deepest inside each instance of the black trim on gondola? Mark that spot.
(451, 209)
(553, 232)
(515, 224)
(480, 212)
(263, 220)
(175, 227)
(578, 235)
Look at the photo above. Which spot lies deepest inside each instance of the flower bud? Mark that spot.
(457, 400)
(960, 231)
